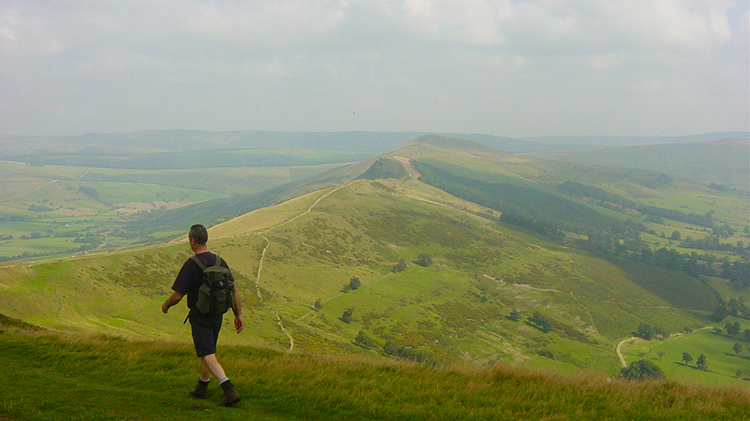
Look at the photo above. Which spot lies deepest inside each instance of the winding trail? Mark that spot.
(279, 322)
(619, 350)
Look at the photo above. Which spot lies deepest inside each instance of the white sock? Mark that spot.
(223, 380)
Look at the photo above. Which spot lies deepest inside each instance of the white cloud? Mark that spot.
(450, 65)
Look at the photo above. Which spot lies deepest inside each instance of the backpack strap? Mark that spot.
(201, 265)
(198, 262)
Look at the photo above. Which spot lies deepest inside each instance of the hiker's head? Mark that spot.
(198, 234)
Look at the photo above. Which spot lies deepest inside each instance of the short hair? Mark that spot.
(198, 233)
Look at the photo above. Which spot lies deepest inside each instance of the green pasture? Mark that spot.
(723, 364)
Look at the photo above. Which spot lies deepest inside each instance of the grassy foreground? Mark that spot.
(50, 376)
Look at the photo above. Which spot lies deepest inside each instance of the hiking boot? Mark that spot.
(200, 391)
(231, 397)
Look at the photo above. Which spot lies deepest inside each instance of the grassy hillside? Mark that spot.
(455, 310)
(65, 377)
(441, 277)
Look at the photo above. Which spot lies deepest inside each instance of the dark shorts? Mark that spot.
(205, 333)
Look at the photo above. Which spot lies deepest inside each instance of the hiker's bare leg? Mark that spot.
(210, 365)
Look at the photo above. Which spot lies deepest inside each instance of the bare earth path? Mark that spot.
(263, 257)
(619, 350)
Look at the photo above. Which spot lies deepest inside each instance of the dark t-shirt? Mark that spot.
(189, 279)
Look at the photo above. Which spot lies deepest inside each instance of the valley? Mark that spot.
(462, 255)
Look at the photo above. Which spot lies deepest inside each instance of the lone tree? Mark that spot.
(687, 358)
(400, 266)
(514, 316)
(642, 370)
(702, 362)
(737, 348)
(318, 304)
(424, 260)
(347, 316)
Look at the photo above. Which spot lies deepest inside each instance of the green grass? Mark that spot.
(65, 377)
(722, 361)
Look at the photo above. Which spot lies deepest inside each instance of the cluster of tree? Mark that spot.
(636, 250)
(353, 284)
(734, 308)
(548, 324)
(705, 220)
(647, 332)
(642, 370)
(719, 187)
(732, 329)
(92, 239)
(364, 341)
(712, 243)
(541, 322)
(701, 362)
(659, 181)
(409, 353)
(36, 235)
(13, 218)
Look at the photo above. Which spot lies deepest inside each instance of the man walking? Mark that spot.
(205, 327)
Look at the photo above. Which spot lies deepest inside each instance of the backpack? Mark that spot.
(216, 293)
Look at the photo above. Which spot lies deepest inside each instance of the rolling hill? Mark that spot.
(442, 278)
(722, 162)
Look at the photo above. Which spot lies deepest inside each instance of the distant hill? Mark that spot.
(725, 161)
(355, 142)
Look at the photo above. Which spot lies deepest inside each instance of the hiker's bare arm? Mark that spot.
(172, 300)
(238, 323)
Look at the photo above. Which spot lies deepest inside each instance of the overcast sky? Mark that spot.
(505, 67)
